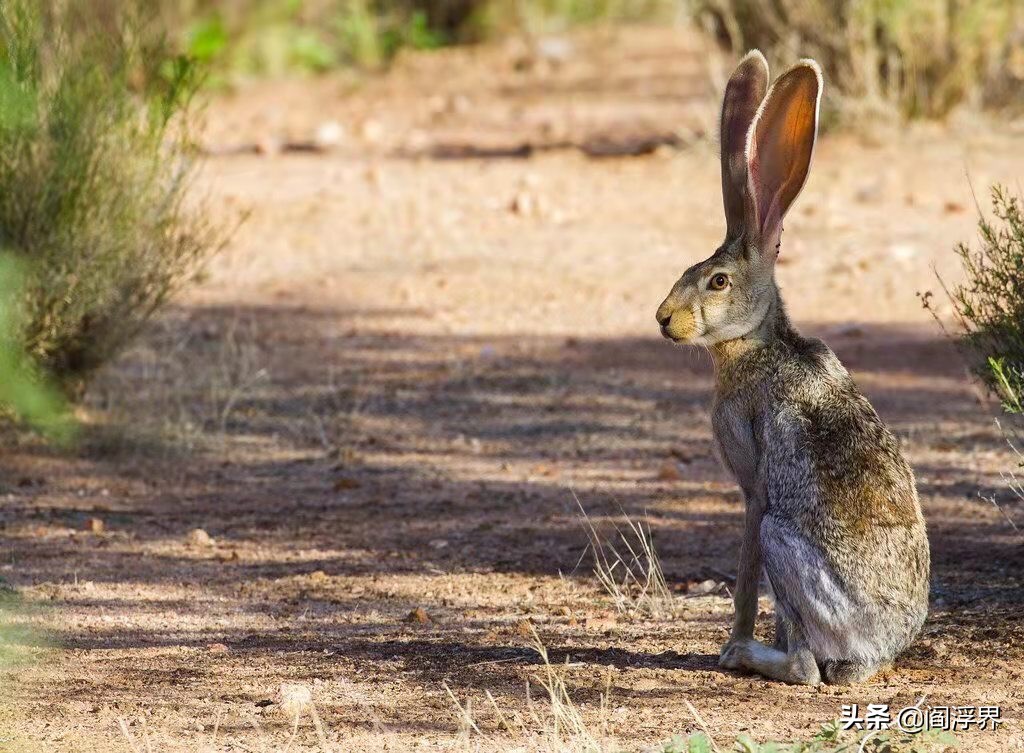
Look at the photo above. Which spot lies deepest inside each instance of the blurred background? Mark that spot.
(335, 408)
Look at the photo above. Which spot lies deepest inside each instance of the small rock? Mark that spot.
(329, 135)
(438, 543)
(95, 525)
(601, 622)
(670, 471)
(294, 698)
(952, 207)
(269, 146)
(524, 629)
(903, 252)
(371, 131)
(345, 483)
(523, 204)
(869, 192)
(418, 616)
(199, 537)
(684, 457)
(705, 587)
(850, 330)
(217, 648)
(563, 611)
(556, 50)
(458, 104)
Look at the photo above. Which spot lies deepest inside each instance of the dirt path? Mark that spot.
(384, 396)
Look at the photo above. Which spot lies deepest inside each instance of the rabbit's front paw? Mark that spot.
(734, 654)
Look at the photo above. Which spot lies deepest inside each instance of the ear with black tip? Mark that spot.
(743, 95)
(779, 149)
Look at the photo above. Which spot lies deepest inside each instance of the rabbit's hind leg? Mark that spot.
(796, 666)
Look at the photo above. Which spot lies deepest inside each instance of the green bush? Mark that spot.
(94, 167)
(276, 37)
(922, 56)
(989, 304)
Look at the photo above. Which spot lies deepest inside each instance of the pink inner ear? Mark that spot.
(779, 148)
(766, 205)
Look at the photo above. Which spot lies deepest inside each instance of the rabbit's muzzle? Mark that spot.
(677, 323)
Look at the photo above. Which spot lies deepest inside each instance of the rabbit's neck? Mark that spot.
(730, 355)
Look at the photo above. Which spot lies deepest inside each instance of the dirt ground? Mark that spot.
(415, 351)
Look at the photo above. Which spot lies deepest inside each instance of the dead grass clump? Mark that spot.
(627, 567)
(184, 384)
(552, 723)
(923, 57)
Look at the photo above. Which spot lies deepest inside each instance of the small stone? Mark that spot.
(199, 537)
(217, 648)
(903, 252)
(523, 204)
(268, 146)
(329, 135)
(601, 622)
(95, 525)
(684, 457)
(705, 587)
(345, 483)
(670, 471)
(294, 698)
(418, 616)
(850, 330)
(371, 131)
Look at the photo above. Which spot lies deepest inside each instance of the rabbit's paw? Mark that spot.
(734, 655)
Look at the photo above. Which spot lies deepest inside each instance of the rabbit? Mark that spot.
(832, 516)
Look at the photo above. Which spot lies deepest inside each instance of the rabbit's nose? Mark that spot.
(663, 319)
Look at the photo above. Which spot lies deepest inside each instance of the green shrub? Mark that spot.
(94, 167)
(989, 304)
(922, 56)
(277, 37)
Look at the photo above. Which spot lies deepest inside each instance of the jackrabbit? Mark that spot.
(832, 515)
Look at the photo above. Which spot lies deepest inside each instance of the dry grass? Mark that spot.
(923, 57)
(627, 567)
(183, 385)
(552, 723)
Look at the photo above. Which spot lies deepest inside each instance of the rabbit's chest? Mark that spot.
(735, 446)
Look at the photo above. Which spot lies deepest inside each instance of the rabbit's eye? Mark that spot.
(718, 282)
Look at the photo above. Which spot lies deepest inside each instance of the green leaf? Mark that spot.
(207, 39)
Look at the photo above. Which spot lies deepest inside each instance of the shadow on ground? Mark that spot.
(366, 452)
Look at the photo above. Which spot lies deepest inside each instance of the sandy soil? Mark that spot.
(415, 351)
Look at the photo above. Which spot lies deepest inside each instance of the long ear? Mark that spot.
(779, 149)
(743, 95)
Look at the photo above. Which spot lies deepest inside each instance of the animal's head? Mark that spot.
(767, 143)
